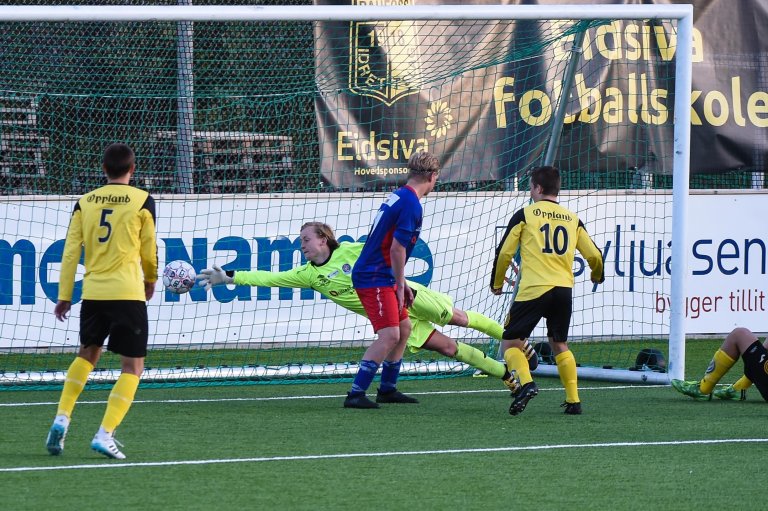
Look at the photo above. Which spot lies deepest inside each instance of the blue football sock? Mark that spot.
(389, 373)
(364, 376)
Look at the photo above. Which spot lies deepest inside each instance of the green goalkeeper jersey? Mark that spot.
(333, 279)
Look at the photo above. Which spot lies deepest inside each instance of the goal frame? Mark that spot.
(682, 13)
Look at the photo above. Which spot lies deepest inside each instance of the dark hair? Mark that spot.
(548, 178)
(422, 165)
(118, 160)
(323, 231)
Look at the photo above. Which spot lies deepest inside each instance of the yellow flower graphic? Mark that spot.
(438, 118)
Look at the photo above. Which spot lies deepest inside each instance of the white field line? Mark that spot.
(388, 454)
(327, 396)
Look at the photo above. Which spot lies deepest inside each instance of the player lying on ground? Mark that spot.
(329, 271)
(740, 342)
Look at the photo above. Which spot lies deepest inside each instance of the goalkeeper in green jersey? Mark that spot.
(329, 271)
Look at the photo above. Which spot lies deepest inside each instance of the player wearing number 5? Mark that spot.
(547, 235)
(115, 226)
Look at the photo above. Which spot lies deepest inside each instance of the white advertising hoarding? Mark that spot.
(726, 282)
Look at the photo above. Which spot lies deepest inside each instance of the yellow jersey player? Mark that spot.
(115, 226)
(547, 235)
(741, 342)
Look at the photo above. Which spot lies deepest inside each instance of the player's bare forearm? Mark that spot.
(407, 295)
(397, 257)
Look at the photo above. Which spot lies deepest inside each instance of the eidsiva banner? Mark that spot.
(390, 105)
(386, 92)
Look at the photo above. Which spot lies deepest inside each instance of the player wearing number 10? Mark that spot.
(115, 226)
(547, 235)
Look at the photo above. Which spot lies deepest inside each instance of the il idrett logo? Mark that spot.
(384, 57)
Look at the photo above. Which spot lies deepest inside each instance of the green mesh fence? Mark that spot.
(243, 131)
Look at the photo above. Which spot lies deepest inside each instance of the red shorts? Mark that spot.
(380, 303)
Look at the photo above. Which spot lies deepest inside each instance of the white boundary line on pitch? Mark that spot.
(327, 396)
(386, 454)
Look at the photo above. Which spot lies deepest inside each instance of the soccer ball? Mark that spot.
(178, 277)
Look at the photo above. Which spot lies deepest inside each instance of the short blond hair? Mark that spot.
(422, 165)
(323, 231)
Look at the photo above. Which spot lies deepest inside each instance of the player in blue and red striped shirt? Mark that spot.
(379, 280)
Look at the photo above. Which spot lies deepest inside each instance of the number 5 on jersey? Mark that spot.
(104, 223)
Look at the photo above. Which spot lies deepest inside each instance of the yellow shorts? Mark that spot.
(429, 308)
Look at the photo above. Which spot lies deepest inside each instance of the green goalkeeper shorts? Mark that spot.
(429, 308)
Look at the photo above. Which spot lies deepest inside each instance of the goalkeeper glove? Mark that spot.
(215, 276)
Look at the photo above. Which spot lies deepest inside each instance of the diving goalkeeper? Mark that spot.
(329, 271)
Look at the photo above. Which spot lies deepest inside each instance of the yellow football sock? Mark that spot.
(516, 362)
(120, 400)
(77, 375)
(742, 383)
(720, 364)
(476, 358)
(481, 323)
(566, 368)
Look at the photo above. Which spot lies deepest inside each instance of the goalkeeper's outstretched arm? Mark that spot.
(215, 276)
